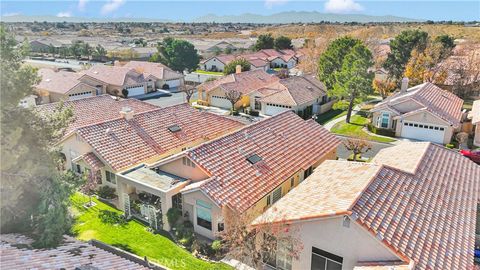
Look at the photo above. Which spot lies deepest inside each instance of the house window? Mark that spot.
(384, 120)
(76, 168)
(323, 260)
(204, 215)
(110, 177)
(220, 227)
(177, 201)
(187, 162)
(292, 182)
(277, 194)
(307, 172)
(269, 200)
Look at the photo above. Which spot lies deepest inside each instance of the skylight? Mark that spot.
(254, 158)
(174, 128)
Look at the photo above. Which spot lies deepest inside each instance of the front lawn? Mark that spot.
(133, 237)
(354, 129)
(208, 72)
(329, 116)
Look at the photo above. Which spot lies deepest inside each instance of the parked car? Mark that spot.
(473, 155)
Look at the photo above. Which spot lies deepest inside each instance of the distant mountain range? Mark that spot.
(300, 17)
(280, 18)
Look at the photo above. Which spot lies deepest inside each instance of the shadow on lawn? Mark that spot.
(123, 247)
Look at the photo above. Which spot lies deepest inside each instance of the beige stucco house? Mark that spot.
(423, 112)
(245, 171)
(387, 214)
(163, 76)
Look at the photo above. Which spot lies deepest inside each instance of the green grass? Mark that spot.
(208, 72)
(133, 237)
(354, 129)
(324, 118)
(467, 104)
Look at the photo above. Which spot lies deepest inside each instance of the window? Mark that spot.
(110, 177)
(204, 215)
(277, 194)
(174, 128)
(76, 168)
(220, 227)
(323, 260)
(254, 159)
(307, 172)
(177, 201)
(187, 162)
(269, 200)
(292, 182)
(384, 120)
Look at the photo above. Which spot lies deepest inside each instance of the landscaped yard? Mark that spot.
(133, 237)
(354, 129)
(329, 116)
(208, 72)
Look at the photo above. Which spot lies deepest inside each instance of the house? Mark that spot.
(423, 112)
(16, 252)
(263, 59)
(476, 122)
(267, 93)
(112, 135)
(63, 85)
(114, 79)
(44, 45)
(411, 208)
(245, 171)
(163, 76)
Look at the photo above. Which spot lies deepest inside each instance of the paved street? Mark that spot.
(343, 153)
(174, 99)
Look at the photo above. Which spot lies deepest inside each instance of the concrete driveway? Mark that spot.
(174, 99)
(343, 153)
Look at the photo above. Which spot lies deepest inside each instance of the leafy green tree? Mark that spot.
(232, 66)
(354, 80)
(282, 43)
(228, 50)
(331, 60)
(99, 51)
(33, 187)
(179, 55)
(25, 48)
(446, 40)
(400, 51)
(265, 41)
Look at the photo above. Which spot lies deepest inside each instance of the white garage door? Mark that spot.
(173, 83)
(423, 132)
(79, 95)
(274, 109)
(135, 91)
(220, 102)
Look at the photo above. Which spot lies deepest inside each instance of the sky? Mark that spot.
(187, 10)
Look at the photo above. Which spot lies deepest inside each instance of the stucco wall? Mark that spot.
(176, 167)
(214, 62)
(426, 117)
(353, 244)
(189, 202)
(76, 144)
(245, 100)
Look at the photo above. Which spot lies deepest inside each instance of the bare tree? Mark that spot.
(466, 72)
(462, 138)
(233, 96)
(189, 91)
(358, 146)
(255, 246)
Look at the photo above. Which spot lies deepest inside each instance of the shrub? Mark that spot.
(125, 93)
(173, 214)
(254, 113)
(165, 87)
(216, 246)
(106, 192)
(380, 131)
(235, 112)
(206, 249)
(450, 146)
(111, 217)
(187, 241)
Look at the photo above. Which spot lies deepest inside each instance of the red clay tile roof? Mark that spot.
(439, 102)
(245, 82)
(92, 110)
(157, 70)
(16, 253)
(58, 81)
(424, 210)
(299, 90)
(124, 143)
(285, 143)
(114, 75)
(92, 160)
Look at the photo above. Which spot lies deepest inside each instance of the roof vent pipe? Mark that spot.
(404, 86)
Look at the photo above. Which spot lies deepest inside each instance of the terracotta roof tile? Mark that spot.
(285, 143)
(114, 75)
(123, 143)
(92, 160)
(58, 81)
(244, 82)
(424, 210)
(157, 70)
(16, 253)
(298, 90)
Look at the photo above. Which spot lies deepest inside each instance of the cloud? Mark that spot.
(271, 3)
(342, 6)
(64, 14)
(111, 6)
(10, 14)
(81, 4)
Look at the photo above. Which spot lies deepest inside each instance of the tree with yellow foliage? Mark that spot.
(384, 87)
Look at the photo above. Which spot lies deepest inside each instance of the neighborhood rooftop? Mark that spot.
(433, 99)
(249, 163)
(424, 211)
(122, 143)
(159, 71)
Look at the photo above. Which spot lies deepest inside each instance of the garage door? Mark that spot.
(273, 109)
(79, 95)
(135, 91)
(220, 102)
(423, 132)
(173, 83)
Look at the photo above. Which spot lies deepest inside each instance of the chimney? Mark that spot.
(404, 86)
(127, 113)
(238, 69)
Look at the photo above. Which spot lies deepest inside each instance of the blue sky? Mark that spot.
(186, 10)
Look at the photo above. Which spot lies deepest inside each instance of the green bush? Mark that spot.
(450, 146)
(254, 113)
(173, 214)
(187, 241)
(216, 246)
(380, 131)
(106, 192)
(110, 217)
(235, 112)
